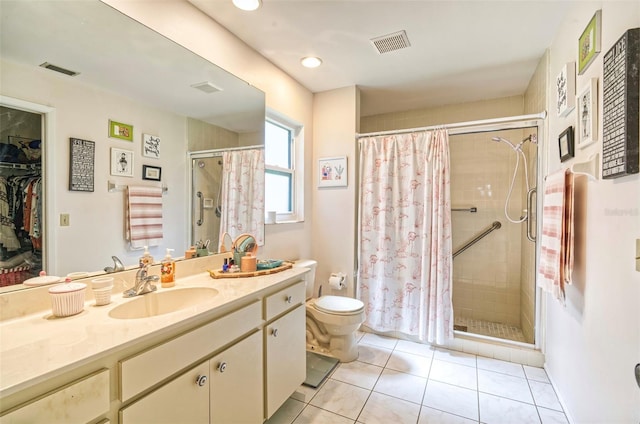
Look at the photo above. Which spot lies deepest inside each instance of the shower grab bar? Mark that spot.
(472, 209)
(530, 194)
(494, 226)
(201, 220)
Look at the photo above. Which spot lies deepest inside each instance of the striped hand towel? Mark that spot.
(556, 245)
(144, 216)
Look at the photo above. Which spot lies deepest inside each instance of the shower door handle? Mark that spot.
(530, 234)
(201, 202)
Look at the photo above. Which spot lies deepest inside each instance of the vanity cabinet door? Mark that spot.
(285, 346)
(236, 383)
(183, 400)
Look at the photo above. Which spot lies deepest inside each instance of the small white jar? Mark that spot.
(67, 299)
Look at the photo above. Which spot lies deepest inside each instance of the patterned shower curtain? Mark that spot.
(405, 262)
(243, 194)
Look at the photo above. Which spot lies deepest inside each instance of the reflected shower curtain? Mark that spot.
(405, 262)
(243, 194)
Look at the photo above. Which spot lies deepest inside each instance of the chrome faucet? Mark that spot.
(117, 266)
(144, 283)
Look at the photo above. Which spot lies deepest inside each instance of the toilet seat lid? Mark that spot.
(339, 304)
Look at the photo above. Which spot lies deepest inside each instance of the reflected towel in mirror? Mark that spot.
(143, 216)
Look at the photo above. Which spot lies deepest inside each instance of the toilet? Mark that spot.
(332, 321)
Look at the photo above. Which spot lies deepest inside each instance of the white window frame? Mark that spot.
(296, 170)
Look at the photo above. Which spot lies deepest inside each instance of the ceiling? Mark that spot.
(90, 37)
(460, 51)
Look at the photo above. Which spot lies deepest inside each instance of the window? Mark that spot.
(281, 154)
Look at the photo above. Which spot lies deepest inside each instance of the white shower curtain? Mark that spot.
(243, 193)
(405, 262)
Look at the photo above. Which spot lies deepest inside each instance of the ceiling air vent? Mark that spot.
(55, 68)
(390, 42)
(207, 87)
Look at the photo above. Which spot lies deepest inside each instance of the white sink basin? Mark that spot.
(160, 303)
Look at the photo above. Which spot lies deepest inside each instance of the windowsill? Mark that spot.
(292, 221)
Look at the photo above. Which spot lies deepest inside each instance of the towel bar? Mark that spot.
(588, 168)
(112, 187)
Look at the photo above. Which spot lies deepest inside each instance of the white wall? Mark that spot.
(333, 235)
(593, 343)
(97, 218)
(183, 23)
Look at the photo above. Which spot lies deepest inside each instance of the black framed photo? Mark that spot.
(565, 143)
(152, 173)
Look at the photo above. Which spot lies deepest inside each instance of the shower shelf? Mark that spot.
(589, 168)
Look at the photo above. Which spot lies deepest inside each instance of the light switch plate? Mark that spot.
(64, 219)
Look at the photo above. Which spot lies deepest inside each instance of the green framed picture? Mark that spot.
(589, 42)
(120, 130)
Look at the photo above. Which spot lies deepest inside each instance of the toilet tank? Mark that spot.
(309, 277)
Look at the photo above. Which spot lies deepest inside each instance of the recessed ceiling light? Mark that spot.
(247, 4)
(311, 62)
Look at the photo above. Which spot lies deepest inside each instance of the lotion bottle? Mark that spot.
(168, 270)
(146, 258)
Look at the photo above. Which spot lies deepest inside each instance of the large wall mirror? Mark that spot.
(127, 74)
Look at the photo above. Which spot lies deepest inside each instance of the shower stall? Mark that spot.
(494, 175)
(206, 190)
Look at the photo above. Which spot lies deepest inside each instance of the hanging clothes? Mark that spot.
(8, 238)
(405, 254)
(242, 209)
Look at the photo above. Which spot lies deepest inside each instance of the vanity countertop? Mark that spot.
(40, 346)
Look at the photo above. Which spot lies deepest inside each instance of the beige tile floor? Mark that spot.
(396, 381)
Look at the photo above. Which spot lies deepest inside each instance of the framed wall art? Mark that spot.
(153, 173)
(121, 162)
(566, 89)
(620, 105)
(565, 144)
(332, 172)
(81, 164)
(151, 146)
(120, 130)
(589, 42)
(587, 106)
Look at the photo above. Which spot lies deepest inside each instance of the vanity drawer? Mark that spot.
(142, 371)
(284, 300)
(79, 402)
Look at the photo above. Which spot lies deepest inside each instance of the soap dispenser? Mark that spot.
(146, 258)
(168, 270)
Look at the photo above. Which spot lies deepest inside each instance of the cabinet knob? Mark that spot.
(222, 366)
(288, 299)
(201, 380)
(275, 332)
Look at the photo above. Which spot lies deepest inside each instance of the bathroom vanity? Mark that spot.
(233, 352)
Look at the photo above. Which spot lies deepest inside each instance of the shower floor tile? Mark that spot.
(492, 329)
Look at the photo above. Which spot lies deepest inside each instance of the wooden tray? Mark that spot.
(217, 273)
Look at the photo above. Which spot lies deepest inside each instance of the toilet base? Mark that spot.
(344, 348)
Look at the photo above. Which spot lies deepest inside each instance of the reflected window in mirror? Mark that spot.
(283, 185)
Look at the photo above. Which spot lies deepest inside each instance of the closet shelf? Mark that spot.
(24, 166)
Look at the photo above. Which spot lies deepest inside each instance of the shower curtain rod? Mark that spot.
(462, 127)
(218, 152)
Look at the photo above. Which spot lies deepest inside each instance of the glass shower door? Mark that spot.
(206, 183)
